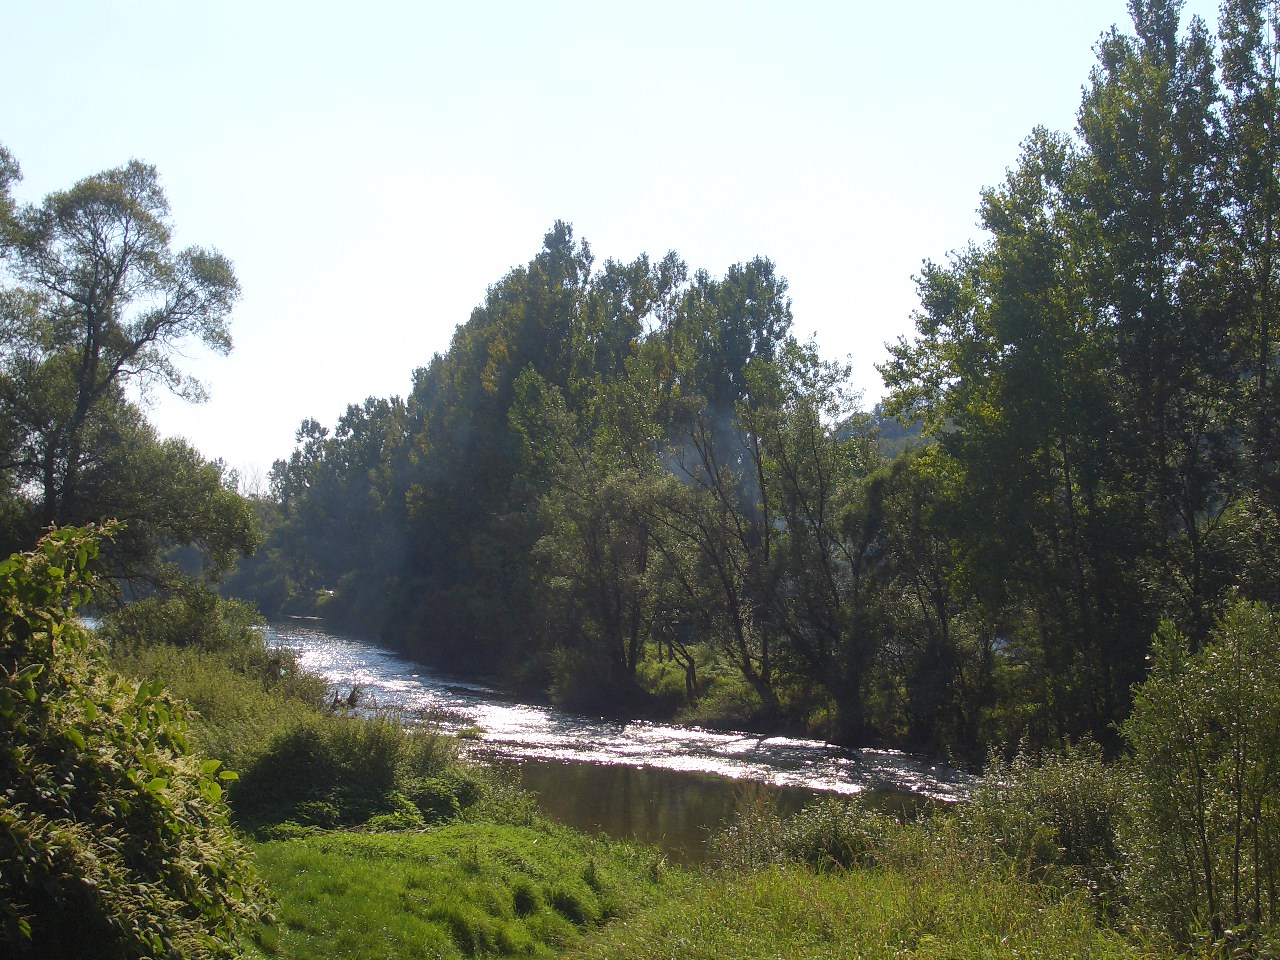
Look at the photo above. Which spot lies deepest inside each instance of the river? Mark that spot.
(660, 783)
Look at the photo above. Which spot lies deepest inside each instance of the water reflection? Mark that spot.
(675, 811)
(513, 731)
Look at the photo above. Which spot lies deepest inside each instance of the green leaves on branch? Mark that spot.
(1205, 732)
(114, 838)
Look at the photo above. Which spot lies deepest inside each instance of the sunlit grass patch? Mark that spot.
(463, 890)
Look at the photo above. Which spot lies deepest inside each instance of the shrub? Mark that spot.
(193, 616)
(1204, 846)
(341, 770)
(114, 838)
(197, 626)
(1056, 817)
(836, 833)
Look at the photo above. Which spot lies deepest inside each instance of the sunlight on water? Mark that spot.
(515, 731)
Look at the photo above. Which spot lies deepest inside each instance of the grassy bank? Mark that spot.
(461, 890)
(485, 890)
(797, 912)
(475, 890)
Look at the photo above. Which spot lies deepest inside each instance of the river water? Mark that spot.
(660, 783)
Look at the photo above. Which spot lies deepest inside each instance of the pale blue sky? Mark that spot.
(371, 168)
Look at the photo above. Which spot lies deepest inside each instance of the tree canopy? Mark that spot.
(630, 481)
(95, 305)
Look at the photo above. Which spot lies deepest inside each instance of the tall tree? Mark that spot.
(101, 302)
(1149, 121)
(1250, 171)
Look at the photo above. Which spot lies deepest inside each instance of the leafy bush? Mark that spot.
(1204, 846)
(1056, 816)
(193, 616)
(194, 621)
(584, 680)
(837, 833)
(341, 770)
(727, 702)
(114, 837)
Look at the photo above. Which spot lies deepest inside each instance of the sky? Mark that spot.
(371, 169)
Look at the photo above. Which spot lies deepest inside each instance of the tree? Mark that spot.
(592, 454)
(101, 303)
(811, 451)
(10, 173)
(1149, 123)
(1010, 371)
(340, 513)
(1080, 367)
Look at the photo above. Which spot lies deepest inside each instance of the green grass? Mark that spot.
(479, 890)
(474, 872)
(798, 913)
(463, 890)
(236, 713)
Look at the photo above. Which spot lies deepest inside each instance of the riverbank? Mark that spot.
(488, 890)
(357, 819)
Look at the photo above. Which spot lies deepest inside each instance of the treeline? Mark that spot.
(626, 482)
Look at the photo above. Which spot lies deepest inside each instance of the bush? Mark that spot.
(837, 833)
(193, 616)
(197, 625)
(1056, 817)
(114, 838)
(1204, 846)
(585, 681)
(727, 703)
(342, 770)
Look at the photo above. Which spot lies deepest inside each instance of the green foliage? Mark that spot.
(102, 301)
(1056, 817)
(726, 701)
(828, 834)
(239, 698)
(114, 837)
(341, 770)
(1204, 849)
(193, 616)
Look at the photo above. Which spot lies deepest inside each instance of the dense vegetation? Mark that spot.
(632, 486)
(375, 836)
(114, 838)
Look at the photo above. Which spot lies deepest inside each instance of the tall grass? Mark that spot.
(864, 913)
(238, 710)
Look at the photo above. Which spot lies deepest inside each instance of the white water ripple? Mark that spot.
(501, 726)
